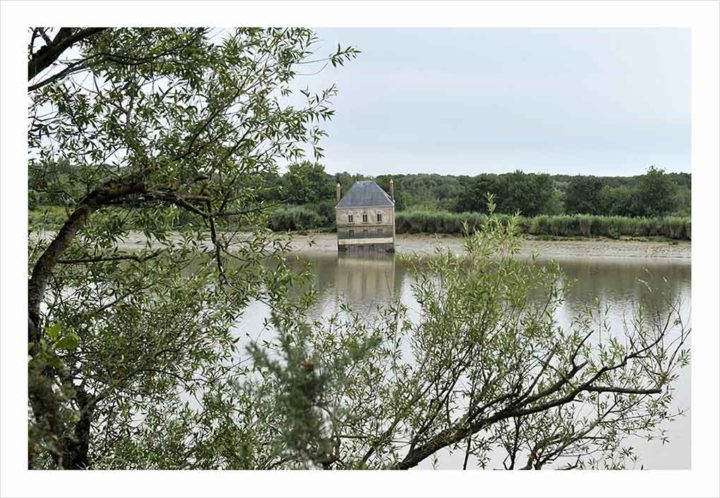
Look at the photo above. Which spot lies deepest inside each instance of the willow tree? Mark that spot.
(481, 368)
(158, 127)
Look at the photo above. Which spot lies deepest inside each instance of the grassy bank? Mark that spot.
(558, 226)
(299, 218)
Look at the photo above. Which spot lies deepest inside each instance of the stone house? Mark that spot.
(365, 217)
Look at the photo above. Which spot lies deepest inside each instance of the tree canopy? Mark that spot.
(155, 123)
(527, 193)
(656, 194)
(584, 195)
(307, 183)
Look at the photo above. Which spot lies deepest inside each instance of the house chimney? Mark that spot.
(337, 191)
(392, 190)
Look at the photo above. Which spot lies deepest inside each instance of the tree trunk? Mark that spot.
(44, 267)
(76, 447)
(68, 451)
(48, 260)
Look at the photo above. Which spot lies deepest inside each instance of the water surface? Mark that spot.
(368, 281)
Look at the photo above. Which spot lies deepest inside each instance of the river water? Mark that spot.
(366, 282)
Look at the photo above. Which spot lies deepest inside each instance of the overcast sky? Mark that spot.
(465, 101)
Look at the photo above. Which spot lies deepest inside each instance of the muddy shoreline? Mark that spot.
(676, 251)
(559, 249)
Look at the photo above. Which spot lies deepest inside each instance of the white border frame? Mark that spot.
(701, 17)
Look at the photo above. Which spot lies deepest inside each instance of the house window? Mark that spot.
(351, 233)
(365, 218)
(350, 218)
(380, 231)
(365, 230)
(379, 217)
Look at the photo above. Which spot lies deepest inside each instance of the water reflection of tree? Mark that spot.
(365, 280)
(626, 285)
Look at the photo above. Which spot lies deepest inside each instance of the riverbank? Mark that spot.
(677, 251)
(558, 249)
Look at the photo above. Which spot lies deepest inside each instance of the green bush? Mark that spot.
(296, 218)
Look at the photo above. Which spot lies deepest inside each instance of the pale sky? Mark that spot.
(602, 101)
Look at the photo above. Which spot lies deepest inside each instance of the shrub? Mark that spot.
(295, 218)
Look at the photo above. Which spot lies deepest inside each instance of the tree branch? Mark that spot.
(65, 38)
(49, 258)
(103, 259)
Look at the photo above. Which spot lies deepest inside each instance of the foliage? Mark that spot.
(617, 201)
(584, 195)
(610, 226)
(530, 194)
(148, 129)
(423, 191)
(307, 183)
(296, 218)
(655, 194)
(46, 217)
(132, 363)
(438, 221)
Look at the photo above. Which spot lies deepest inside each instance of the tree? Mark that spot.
(472, 198)
(584, 195)
(617, 201)
(155, 123)
(528, 193)
(486, 366)
(307, 183)
(655, 194)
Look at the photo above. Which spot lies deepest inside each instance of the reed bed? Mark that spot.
(675, 227)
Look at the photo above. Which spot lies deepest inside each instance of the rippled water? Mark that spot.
(364, 282)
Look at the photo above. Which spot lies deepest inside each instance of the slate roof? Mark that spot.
(365, 193)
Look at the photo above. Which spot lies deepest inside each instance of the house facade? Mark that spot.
(365, 217)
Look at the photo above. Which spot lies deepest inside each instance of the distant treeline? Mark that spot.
(655, 203)
(655, 193)
(652, 194)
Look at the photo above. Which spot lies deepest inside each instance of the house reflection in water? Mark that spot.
(364, 278)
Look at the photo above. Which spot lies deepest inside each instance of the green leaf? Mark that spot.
(68, 342)
(54, 361)
(53, 331)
